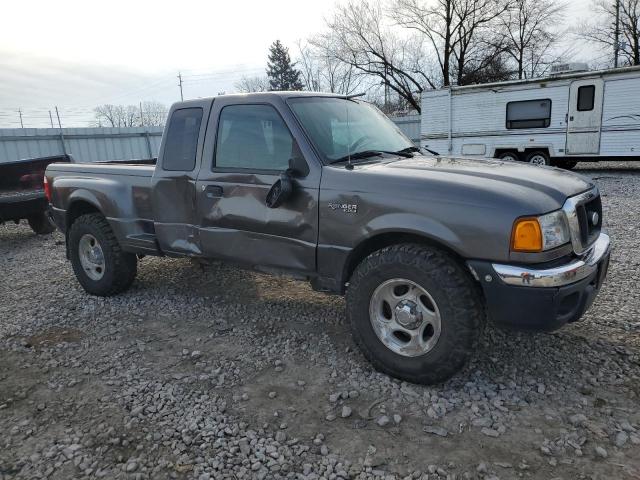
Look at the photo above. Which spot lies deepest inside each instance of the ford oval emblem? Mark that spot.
(594, 218)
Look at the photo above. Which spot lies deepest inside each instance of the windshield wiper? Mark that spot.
(358, 155)
(372, 153)
(418, 150)
(407, 152)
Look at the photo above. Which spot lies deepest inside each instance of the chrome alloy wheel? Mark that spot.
(405, 317)
(538, 159)
(91, 257)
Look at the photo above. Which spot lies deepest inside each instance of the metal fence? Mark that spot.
(85, 144)
(410, 126)
(95, 144)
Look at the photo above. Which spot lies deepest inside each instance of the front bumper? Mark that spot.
(529, 298)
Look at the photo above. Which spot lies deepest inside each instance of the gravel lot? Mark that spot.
(225, 373)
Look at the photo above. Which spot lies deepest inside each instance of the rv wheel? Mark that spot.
(509, 156)
(538, 158)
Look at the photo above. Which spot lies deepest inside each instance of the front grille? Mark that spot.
(584, 215)
(587, 213)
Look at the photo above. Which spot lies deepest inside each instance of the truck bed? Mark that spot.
(120, 190)
(130, 168)
(21, 187)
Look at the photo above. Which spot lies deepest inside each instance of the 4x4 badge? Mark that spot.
(345, 207)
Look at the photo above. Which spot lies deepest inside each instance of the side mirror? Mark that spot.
(298, 167)
(280, 191)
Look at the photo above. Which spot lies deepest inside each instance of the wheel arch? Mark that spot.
(498, 152)
(79, 206)
(381, 240)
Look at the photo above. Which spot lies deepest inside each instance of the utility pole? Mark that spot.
(58, 115)
(616, 41)
(180, 85)
(20, 113)
(51, 118)
(64, 146)
(141, 116)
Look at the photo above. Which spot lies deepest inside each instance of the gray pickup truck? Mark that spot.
(325, 188)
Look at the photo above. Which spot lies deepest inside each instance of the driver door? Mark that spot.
(252, 147)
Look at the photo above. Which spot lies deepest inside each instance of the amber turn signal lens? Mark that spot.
(527, 235)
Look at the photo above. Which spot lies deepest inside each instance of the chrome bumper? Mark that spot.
(572, 272)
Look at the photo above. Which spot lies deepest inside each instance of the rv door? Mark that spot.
(584, 116)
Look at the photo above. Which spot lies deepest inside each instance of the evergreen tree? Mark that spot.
(281, 71)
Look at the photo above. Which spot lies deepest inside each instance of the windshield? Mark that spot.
(339, 127)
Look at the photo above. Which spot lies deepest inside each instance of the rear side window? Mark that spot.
(253, 137)
(182, 140)
(586, 95)
(529, 114)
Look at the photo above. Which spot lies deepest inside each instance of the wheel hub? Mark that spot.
(408, 315)
(95, 256)
(405, 317)
(91, 257)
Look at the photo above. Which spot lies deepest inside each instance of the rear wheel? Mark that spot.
(414, 312)
(41, 224)
(100, 264)
(539, 158)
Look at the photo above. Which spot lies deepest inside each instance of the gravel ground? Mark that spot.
(224, 373)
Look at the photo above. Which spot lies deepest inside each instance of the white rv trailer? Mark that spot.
(556, 120)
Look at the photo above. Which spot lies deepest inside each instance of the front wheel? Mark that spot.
(100, 264)
(415, 312)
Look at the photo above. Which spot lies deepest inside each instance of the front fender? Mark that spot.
(413, 224)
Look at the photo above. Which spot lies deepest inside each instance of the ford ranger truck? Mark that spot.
(325, 188)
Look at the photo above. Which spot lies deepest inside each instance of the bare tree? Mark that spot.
(601, 31)
(108, 115)
(122, 116)
(153, 114)
(321, 72)
(493, 67)
(458, 31)
(357, 35)
(252, 84)
(531, 34)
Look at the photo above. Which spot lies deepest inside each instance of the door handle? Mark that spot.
(213, 191)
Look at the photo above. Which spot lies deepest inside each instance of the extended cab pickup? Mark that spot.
(326, 188)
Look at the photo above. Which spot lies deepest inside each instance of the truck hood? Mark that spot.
(545, 187)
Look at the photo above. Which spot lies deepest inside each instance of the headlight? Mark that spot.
(536, 234)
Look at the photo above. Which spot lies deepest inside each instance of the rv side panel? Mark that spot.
(621, 117)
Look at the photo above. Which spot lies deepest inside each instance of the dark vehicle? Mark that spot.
(326, 188)
(22, 192)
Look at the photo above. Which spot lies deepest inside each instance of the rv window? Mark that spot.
(586, 95)
(529, 114)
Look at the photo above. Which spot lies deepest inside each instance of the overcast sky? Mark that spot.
(77, 54)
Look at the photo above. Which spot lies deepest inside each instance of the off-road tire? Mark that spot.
(455, 292)
(120, 267)
(41, 224)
